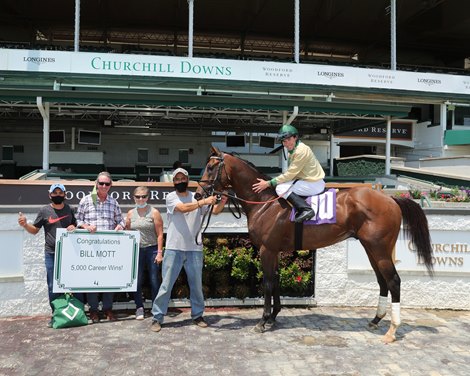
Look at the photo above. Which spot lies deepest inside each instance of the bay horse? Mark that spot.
(362, 213)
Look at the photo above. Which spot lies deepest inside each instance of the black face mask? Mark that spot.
(57, 199)
(181, 187)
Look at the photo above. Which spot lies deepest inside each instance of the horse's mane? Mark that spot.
(262, 175)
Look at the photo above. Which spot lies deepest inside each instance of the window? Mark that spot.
(57, 137)
(235, 141)
(7, 152)
(89, 137)
(183, 155)
(142, 155)
(267, 142)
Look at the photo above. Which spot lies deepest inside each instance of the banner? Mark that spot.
(451, 253)
(104, 261)
(109, 64)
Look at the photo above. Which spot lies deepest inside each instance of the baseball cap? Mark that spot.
(177, 171)
(55, 186)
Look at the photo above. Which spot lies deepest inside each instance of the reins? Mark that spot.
(249, 201)
(210, 191)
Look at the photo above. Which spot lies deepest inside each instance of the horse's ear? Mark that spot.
(214, 150)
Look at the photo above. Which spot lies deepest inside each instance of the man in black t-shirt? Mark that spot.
(55, 215)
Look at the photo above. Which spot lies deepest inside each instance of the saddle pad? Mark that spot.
(324, 206)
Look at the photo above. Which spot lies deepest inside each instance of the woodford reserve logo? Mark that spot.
(277, 72)
(183, 67)
(381, 78)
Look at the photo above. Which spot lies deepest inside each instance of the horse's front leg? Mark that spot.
(276, 301)
(268, 292)
(269, 265)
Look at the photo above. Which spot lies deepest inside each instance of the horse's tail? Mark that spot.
(416, 227)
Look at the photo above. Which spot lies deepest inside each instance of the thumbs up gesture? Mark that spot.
(22, 220)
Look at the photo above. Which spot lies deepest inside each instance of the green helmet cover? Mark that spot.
(287, 131)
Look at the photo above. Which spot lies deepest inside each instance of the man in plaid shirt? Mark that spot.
(99, 211)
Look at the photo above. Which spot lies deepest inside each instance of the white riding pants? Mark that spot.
(301, 188)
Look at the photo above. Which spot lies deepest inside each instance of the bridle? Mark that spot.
(212, 191)
(209, 190)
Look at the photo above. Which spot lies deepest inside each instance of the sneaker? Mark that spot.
(200, 322)
(156, 327)
(139, 314)
(94, 317)
(110, 315)
(49, 324)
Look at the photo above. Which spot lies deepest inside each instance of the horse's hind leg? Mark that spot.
(388, 280)
(389, 273)
(383, 295)
(393, 282)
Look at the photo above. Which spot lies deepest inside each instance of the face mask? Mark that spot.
(181, 187)
(140, 206)
(57, 199)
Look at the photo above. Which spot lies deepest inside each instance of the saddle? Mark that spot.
(324, 206)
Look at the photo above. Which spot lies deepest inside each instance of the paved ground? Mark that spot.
(316, 341)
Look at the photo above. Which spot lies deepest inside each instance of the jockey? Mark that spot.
(304, 175)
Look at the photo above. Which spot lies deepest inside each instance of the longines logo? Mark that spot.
(429, 81)
(330, 75)
(39, 60)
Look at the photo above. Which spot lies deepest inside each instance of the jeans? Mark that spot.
(49, 262)
(93, 301)
(192, 261)
(147, 257)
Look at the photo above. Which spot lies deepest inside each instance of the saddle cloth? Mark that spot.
(324, 206)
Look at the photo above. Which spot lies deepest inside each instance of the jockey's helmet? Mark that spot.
(287, 131)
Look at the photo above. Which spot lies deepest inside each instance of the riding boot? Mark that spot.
(304, 210)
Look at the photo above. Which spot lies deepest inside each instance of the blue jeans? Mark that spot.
(147, 257)
(49, 262)
(93, 301)
(192, 261)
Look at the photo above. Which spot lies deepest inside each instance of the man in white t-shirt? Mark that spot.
(184, 217)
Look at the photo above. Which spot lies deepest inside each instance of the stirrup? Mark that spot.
(304, 216)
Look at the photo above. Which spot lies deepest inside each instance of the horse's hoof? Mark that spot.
(259, 328)
(387, 338)
(373, 325)
(269, 324)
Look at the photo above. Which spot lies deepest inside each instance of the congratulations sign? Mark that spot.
(105, 261)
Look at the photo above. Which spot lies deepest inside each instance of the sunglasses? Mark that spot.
(104, 183)
(140, 196)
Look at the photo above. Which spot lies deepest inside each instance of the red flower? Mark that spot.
(299, 278)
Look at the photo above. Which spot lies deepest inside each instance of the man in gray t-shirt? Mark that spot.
(184, 216)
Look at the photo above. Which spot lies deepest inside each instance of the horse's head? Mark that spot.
(215, 176)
